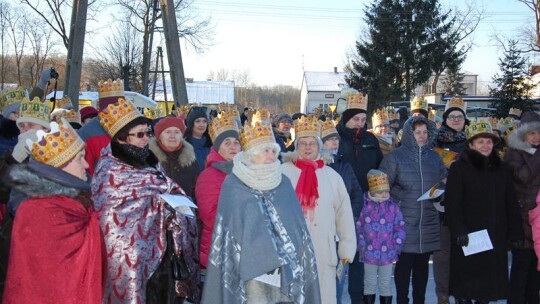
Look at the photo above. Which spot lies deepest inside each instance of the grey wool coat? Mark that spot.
(413, 170)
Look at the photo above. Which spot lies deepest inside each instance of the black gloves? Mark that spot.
(463, 240)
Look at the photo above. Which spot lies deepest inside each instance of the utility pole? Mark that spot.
(174, 54)
(75, 51)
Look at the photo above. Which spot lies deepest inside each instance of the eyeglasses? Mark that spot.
(306, 144)
(456, 117)
(148, 133)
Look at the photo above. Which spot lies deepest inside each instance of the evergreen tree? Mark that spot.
(513, 84)
(405, 42)
(453, 85)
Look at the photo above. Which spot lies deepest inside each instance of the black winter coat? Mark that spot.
(351, 183)
(480, 195)
(361, 149)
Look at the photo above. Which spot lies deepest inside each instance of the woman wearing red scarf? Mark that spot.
(325, 203)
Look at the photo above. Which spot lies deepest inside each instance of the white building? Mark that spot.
(199, 92)
(469, 82)
(321, 89)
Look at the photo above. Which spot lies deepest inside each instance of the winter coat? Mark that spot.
(524, 161)
(284, 141)
(202, 147)
(381, 232)
(181, 166)
(361, 149)
(207, 194)
(96, 138)
(332, 221)
(57, 249)
(480, 195)
(534, 221)
(346, 172)
(413, 170)
(8, 135)
(243, 249)
(387, 144)
(450, 139)
(134, 219)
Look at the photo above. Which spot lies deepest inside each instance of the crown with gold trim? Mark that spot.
(154, 113)
(379, 117)
(70, 116)
(357, 101)
(110, 88)
(492, 121)
(229, 108)
(392, 114)
(64, 103)
(225, 121)
(504, 124)
(260, 115)
(57, 147)
(477, 128)
(328, 128)
(34, 111)
(117, 115)
(456, 102)
(307, 126)
(377, 181)
(11, 96)
(182, 110)
(515, 111)
(419, 103)
(256, 133)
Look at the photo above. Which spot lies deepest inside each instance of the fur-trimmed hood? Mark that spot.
(479, 161)
(292, 157)
(517, 138)
(185, 158)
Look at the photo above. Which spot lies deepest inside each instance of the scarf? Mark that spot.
(306, 188)
(449, 135)
(168, 149)
(137, 155)
(259, 177)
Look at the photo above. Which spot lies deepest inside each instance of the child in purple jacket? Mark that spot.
(381, 232)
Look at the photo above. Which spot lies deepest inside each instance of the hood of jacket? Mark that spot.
(185, 158)
(517, 138)
(408, 140)
(215, 160)
(292, 157)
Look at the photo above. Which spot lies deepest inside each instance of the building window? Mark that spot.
(329, 96)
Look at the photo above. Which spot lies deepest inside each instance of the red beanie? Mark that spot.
(168, 122)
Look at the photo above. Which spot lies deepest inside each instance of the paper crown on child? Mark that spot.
(225, 121)
(306, 126)
(57, 147)
(377, 181)
(357, 101)
(118, 115)
(34, 111)
(328, 130)
(110, 92)
(256, 133)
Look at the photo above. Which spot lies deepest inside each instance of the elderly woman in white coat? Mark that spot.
(325, 203)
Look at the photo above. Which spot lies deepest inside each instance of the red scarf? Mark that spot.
(307, 186)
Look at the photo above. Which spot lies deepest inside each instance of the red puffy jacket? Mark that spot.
(207, 196)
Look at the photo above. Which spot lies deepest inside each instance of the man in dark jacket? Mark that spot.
(361, 149)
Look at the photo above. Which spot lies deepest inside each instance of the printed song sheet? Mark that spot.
(180, 202)
(478, 242)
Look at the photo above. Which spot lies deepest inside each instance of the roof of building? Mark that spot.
(325, 81)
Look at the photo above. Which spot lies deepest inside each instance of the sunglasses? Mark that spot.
(148, 133)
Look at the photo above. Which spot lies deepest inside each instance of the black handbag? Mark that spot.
(179, 268)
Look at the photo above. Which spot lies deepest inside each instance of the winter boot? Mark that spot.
(385, 300)
(369, 299)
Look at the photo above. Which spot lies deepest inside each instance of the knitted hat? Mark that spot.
(57, 147)
(88, 112)
(34, 111)
(350, 113)
(377, 181)
(194, 113)
(282, 116)
(169, 122)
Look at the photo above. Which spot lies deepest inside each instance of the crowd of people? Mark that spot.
(111, 205)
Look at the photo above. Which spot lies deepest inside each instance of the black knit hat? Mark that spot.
(194, 113)
(350, 113)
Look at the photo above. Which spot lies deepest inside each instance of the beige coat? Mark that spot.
(332, 221)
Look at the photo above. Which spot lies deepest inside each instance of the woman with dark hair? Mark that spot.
(480, 196)
(413, 168)
(197, 134)
(142, 233)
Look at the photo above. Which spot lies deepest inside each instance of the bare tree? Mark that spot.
(42, 43)
(535, 7)
(17, 31)
(5, 17)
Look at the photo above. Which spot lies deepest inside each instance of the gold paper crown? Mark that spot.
(70, 116)
(64, 103)
(378, 181)
(34, 110)
(456, 102)
(11, 96)
(154, 113)
(260, 115)
(183, 110)
(225, 121)
(118, 115)
(515, 111)
(57, 147)
(229, 108)
(391, 112)
(492, 121)
(357, 101)
(504, 123)
(419, 103)
(327, 128)
(259, 132)
(307, 126)
(476, 128)
(380, 116)
(111, 88)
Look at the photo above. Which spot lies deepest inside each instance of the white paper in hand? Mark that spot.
(436, 193)
(479, 241)
(273, 278)
(179, 202)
